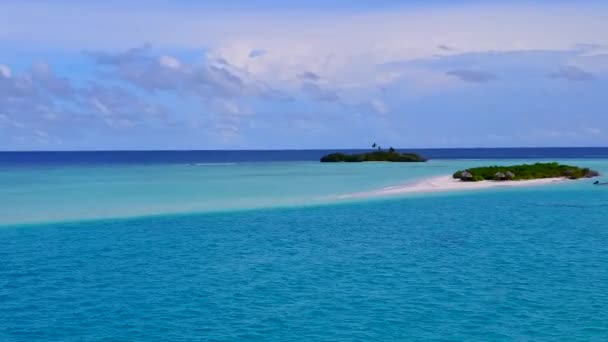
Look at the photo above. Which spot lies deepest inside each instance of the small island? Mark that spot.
(380, 155)
(524, 172)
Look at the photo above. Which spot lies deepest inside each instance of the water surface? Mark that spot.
(264, 251)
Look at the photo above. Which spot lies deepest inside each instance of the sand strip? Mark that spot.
(447, 183)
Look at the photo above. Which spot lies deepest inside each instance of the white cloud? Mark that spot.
(5, 71)
(592, 131)
(572, 74)
(344, 47)
(379, 106)
(169, 62)
(100, 106)
(41, 134)
(333, 43)
(348, 60)
(227, 107)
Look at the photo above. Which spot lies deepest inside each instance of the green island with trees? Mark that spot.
(380, 155)
(524, 172)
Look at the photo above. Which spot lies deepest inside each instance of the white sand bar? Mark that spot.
(447, 183)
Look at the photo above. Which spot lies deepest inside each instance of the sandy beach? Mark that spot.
(447, 183)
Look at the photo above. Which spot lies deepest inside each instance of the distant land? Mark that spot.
(390, 155)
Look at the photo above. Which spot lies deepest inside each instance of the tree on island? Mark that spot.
(390, 155)
(523, 172)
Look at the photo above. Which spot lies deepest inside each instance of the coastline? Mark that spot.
(65, 192)
(447, 183)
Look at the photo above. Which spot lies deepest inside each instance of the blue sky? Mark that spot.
(311, 74)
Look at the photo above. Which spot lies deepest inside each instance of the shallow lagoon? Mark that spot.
(72, 192)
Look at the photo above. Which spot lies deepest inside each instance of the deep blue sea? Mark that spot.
(217, 156)
(259, 246)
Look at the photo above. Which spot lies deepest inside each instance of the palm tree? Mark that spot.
(374, 145)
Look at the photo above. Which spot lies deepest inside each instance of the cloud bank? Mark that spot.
(211, 78)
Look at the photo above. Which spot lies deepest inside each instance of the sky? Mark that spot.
(269, 74)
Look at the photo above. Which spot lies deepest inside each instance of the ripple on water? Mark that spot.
(489, 266)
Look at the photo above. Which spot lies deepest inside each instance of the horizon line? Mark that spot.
(303, 149)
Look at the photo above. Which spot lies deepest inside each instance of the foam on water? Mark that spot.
(211, 164)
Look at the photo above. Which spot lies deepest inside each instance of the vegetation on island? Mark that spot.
(524, 172)
(390, 155)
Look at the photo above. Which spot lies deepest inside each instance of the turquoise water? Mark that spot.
(298, 264)
(45, 194)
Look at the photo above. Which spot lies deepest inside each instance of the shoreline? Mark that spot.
(447, 183)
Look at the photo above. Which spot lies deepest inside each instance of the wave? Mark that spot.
(211, 164)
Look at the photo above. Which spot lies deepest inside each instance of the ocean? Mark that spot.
(264, 245)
